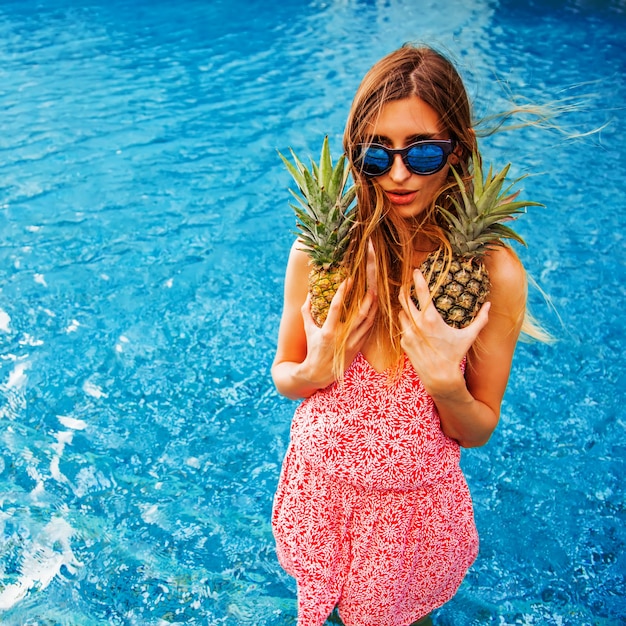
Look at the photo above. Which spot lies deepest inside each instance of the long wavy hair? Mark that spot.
(409, 71)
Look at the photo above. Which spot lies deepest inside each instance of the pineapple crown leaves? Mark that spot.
(324, 215)
(477, 225)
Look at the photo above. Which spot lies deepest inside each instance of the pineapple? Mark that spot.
(324, 219)
(460, 286)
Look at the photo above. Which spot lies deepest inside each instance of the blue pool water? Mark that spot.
(144, 228)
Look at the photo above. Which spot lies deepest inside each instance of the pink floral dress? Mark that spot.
(372, 512)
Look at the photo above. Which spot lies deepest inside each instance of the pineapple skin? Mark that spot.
(323, 285)
(462, 291)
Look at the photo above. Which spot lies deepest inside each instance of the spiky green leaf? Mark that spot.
(324, 210)
(326, 165)
(475, 220)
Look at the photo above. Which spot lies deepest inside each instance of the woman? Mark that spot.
(372, 513)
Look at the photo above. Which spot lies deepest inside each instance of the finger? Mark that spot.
(408, 305)
(403, 318)
(479, 322)
(369, 305)
(410, 331)
(334, 311)
(364, 321)
(370, 271)
(367, 312)
(421, 290)
(305, 309)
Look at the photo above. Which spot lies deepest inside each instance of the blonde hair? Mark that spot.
(409, 71)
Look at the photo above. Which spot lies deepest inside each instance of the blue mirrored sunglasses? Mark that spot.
(422, 157)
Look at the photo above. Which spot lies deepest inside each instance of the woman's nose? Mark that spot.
(398, 172)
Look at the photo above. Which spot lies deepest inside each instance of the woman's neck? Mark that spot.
(422, 246)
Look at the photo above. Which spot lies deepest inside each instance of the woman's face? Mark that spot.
(400, 123)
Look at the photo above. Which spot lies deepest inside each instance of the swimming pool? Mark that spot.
(144, 228)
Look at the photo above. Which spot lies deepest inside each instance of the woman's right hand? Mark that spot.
(317, 367)
(304, 353)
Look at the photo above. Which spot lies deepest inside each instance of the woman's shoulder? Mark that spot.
(298, 253)
(298, 268)
(508, 287)
(505, 268)
(299, 259)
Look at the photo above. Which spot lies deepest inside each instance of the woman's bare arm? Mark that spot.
(469, 405)
(305, 353)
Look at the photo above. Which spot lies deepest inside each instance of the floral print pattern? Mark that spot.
(372, 512)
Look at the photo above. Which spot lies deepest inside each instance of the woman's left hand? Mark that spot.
(435, 349)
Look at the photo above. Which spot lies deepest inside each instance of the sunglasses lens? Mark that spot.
(426, 158)
(375, 160)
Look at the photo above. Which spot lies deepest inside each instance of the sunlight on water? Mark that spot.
(144, 230)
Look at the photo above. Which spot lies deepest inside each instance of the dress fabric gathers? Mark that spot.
(372, 512)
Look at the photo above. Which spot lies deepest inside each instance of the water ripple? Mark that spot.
(144, 228)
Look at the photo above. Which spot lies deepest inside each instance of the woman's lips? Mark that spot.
(397, 196)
